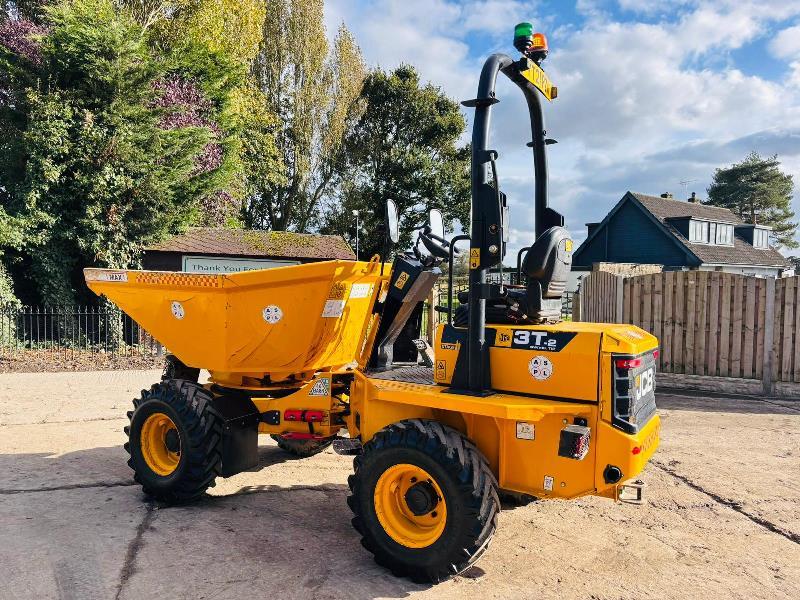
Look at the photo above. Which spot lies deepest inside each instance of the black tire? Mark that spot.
(175, 369)
(302, 448)
(469, 491)
(190, 408)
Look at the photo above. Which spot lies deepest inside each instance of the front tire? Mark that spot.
(174, 441)
(424, 499)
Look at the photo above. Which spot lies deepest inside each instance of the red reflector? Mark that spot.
(628, 363)
(656, 353)
(293, 415)
(636, 450)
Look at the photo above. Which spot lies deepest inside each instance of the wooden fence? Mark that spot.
(707, 323)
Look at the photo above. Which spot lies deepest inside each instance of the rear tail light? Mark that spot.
(628, 363)
(307, 416)
(574, 442)
(656, 353)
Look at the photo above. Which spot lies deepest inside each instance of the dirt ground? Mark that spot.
(722, 518)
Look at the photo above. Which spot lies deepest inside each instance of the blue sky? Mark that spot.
(650, 93)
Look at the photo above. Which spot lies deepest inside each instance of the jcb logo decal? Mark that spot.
(503, 338)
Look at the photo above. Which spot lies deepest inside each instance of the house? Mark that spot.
(221, 250)
(680, 235)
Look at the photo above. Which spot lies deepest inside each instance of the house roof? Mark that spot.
(741, 253)
(250, 242)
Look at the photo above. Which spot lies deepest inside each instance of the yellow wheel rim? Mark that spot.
(403, 522)
(155, 449)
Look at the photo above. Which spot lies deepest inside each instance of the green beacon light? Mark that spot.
(530, 44)
(523, 33)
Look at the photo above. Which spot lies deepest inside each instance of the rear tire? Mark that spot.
(174, 439)
(390, 506)
(302, 448)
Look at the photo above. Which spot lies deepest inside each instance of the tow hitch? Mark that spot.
(631, 492)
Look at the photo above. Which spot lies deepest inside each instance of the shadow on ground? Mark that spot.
(292, 539)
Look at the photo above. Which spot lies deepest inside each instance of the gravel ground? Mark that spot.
(722, 518)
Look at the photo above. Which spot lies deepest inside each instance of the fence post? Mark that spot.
(769, 333)
(620, 285)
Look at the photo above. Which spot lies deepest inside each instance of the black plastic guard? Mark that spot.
(240, 419)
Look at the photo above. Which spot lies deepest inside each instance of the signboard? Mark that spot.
(219, 265)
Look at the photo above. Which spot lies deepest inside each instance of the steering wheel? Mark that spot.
(438, 247)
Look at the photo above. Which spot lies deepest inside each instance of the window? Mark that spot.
(724, 234)
(712, 233)
(698, 231)
(761, 238)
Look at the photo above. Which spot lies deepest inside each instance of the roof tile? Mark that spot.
(741, 253)
(251, 242)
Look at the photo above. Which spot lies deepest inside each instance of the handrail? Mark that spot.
(453, 241)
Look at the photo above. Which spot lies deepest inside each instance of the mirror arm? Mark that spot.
(453, 242)
(519, 263)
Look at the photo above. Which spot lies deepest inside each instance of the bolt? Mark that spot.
(413, 480)
(433, 514)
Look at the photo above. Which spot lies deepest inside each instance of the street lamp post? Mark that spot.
(355, 213)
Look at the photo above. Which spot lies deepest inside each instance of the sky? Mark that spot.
(651, 94)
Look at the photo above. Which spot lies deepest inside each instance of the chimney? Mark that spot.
(666, 195)
(694, 199)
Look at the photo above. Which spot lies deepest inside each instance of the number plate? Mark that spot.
(539, 79)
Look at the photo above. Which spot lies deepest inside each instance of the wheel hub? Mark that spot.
(172, 440)
(160, 444)
(421, 498)
(410, 505)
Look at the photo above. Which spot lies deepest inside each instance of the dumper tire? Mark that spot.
(302, 448)
(468, 504)
(189, 407)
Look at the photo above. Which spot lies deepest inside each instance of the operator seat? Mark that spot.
(546, 268)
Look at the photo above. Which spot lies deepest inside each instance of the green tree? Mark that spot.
(313, 93)
(403, 147)
(106, 147)
(758, 192)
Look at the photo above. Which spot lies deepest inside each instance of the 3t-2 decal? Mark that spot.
(527, 339)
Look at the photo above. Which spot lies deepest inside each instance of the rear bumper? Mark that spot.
(622, 456)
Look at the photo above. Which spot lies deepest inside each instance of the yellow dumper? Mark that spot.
(513, 401)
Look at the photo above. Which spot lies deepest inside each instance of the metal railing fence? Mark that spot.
(70, 329)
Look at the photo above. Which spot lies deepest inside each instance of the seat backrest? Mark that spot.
(549, 261)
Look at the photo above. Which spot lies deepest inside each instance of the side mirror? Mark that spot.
(392, 223)
(436, 223)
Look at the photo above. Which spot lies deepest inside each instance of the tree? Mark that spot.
(313, 93)
(106, 147)
(758, 192)
(403, 147)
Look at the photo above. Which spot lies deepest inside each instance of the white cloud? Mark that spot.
(642, 105)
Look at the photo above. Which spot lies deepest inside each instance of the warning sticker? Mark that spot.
(525, 431)
(333, 308)
(474, 258)
(321, 387)
(540, 368)
(337, 291)
(441, 370)
(401, 280)
(361, 290)
(548, 483)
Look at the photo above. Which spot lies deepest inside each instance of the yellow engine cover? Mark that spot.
(558, 361)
